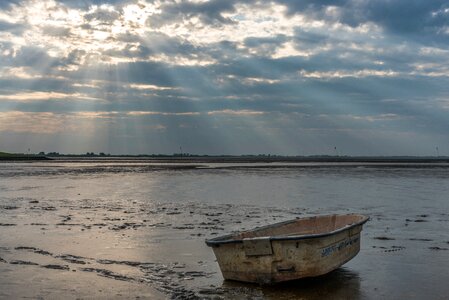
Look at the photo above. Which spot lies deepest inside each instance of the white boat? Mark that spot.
(304, 247)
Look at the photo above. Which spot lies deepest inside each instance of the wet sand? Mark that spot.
(98, 234)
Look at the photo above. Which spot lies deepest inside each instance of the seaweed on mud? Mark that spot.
(168, 278)
(126, 226)
(9, 207)
(72, 259)
(193, 274)
(213, 214)
(212, 227)
(183, 294)
(25, 248)
(438, 248)
(112, 219)
(229, 293)
(69, 224)
(43, 252)
(183, 227)
(416, 220)
(173, 213)
(57, 267)
(394, 249)
(48, 208)
(34, 249)
(23, 262)
(158, 225)
(108, 274)
(66, 218)
(100, 224)
(120, 262)
(383, 238)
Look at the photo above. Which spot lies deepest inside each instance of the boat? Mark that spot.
(290, 250)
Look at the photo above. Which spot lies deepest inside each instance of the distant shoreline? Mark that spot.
(231, 159)
(23, 158)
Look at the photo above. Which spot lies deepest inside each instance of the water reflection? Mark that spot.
(339, 284)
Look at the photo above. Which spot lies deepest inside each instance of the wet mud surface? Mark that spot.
(175, 279)
(143, 234)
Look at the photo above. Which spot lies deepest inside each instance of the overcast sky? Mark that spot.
(369, 77)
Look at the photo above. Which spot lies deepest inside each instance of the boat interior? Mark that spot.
(303, 226)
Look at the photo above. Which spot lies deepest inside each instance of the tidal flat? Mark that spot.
(136, 229)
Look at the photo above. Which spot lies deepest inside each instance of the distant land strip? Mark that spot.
(188, 158)
(21, 157)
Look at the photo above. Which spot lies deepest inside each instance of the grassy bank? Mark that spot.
(19, 156)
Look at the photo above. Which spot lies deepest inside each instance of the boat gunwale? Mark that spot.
(225, 239)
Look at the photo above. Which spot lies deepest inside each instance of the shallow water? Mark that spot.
(137, 229)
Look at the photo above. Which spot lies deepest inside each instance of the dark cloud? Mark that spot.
(56, 31)
(29, 56)
(209, 12)
(84, 4)
(13, 28)
(312, 5)
(265, 46)
(260, 67)
(74, 58)
(407, 16)
(135, 72)
(8, 3)
(154, 43)
(39, 85)
(311, 38)
(415, 18)
(159, 42)
(103, 16)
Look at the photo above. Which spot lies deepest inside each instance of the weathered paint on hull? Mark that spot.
(289, 258)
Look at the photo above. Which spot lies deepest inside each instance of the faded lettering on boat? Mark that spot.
(338, 246)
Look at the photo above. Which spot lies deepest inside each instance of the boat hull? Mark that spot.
(271, 259)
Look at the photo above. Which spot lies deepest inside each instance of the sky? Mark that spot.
(346, 77)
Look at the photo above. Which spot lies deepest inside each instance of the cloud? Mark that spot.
(407, 16)
(56, 31)
(158, 113)
(152, 45)
(85, 4)
(242, 112)
(8, 3)
(38, 96)
(265, 46)
(38, 123)
(102, 15)
(149, 87)
(29, 56)
(208, 12)
(14, 28)
(416, 19)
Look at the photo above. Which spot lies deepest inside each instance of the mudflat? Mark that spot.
(135, 230)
